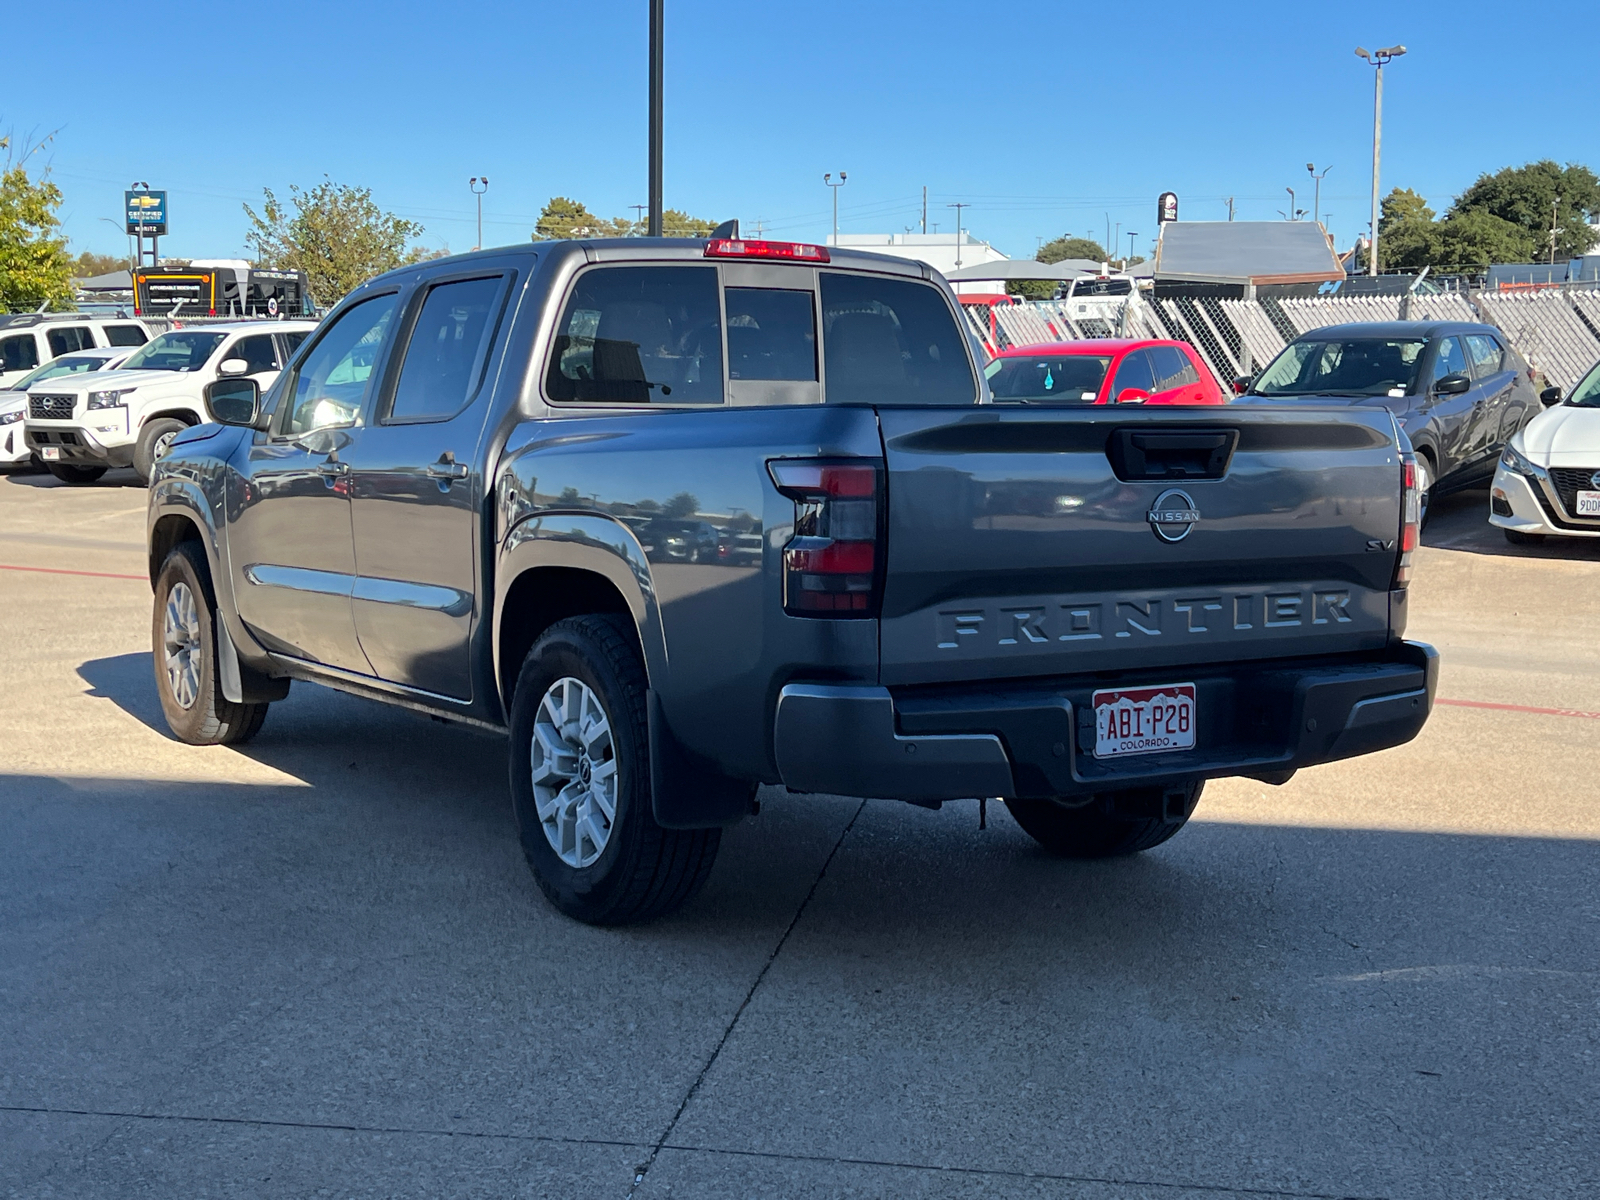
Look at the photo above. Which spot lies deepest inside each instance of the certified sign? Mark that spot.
(146, 212)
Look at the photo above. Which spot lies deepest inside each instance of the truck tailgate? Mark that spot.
(1033, 541)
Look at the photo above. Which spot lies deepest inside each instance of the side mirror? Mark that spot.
(1132, 396)
(233, 401)
(1452, 385)
(1241, 384)
(1550, 396)
(232, 366)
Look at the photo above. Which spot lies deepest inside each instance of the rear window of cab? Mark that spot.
(654, 335)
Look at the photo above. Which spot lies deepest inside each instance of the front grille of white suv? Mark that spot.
(50, 408)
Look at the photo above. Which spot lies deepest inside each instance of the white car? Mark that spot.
(1548, 480)
(14, 400)
(29, 339)
(80, 427)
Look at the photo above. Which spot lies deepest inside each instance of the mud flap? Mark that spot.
(687, 791)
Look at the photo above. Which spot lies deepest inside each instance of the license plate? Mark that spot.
(1149, 720)
(1589, 504)
(49, 453)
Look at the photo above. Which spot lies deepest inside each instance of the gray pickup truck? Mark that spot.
(681, 518)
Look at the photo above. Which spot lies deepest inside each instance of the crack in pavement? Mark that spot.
(655, 1151)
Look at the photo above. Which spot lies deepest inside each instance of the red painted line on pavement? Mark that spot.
(64, 571)
(1522, 708)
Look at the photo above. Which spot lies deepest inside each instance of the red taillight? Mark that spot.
(832, 564)
(740, 248)
(1410, 519)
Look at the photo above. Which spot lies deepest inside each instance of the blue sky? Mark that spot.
(1046, 118)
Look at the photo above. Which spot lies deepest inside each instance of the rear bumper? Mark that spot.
(1037, 739)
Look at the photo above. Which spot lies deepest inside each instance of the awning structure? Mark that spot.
(1009, 269)
(1246, 252)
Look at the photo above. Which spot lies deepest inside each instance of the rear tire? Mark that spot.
(154, 437)
(184, 642)
(580, 743)
(1105, 826)
(68, 473)
(1517, 538)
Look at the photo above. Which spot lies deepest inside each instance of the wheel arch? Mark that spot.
(188, 416)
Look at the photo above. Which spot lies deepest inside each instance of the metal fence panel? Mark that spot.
(1546, 330)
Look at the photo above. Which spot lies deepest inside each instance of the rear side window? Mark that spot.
(292, 340)
(18, 353)
(1488, 357)
(257, 352)
(126, 335)
(1172, 368)
(772, 334)
(891, 341)
(449, 344)
(639, 335)
(65, 341)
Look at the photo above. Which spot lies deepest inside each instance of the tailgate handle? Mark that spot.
(1171, 453)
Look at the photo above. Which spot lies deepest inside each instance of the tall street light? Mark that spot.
(479, 185)
(828, 179)
(958, 208)
(657, 65)
(1316, 202)
(1377, 58)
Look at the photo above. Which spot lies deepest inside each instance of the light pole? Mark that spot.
(958, 208)
(828, 179)
(1316, 202)
(1290, 190)
(1555, 206)
(122, 228)
(1377, 58)
(657, 66)
(1131, 236)
(479, 185)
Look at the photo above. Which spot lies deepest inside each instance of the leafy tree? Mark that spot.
(564, 218)
(35, 268)
(675, 223)
(1474, 239)
(1523, 196)
(87, 265)
(336, 235)
(684, 504)
(1066, 246)
(1407, 236)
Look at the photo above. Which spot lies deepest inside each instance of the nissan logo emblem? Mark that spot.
(1173, 515)
(1594, 480)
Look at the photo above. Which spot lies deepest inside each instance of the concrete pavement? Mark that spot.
(317, 965)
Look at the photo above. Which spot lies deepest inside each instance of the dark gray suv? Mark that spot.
(1458, 390)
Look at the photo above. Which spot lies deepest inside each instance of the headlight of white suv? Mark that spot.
(108, 399)
(10, 418)
(1514, 462)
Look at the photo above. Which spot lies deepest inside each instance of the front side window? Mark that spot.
(448, 348)
(639, 335)
(1135, 371)
(18, 353)
(772, 334)
(1450, 359)
(1488, 358)
(331, 383)
(258, 353)
(891, 341)
(1357, 367)
(1048, 378)
(180, 350)
(126, 335)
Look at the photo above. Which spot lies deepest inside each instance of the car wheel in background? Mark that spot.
(1517, 538)
(1108, 826)
(68, 473)
(580, 781)
(154, 438)
(184, 642)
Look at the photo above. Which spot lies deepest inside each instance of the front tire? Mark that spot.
(67, 473)
(580, 781)
(1108, 826)
(154, 438)
(184, 641)
(1517, 538)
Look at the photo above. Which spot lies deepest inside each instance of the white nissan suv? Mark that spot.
(81, 427)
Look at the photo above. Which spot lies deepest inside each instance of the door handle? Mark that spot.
(447, 468)
(333, 467)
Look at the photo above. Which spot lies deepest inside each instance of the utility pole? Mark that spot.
(1377, 58)
(479, 184)
(924, 208)
(638, 215)
(1316, 202)
(958, 208)
(1131, 236)
(657, 65)
(828, 179)
(1230, 208)
(1554, 205)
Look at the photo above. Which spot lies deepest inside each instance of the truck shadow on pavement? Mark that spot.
(1460, 521)
(117, 477)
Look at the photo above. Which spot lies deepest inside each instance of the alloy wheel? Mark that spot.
(574, 771)
(180, 636)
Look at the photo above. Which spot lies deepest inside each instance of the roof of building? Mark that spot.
(1024, 268)
(1249, 252)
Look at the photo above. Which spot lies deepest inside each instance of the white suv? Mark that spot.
(29, 339)
(81, 427)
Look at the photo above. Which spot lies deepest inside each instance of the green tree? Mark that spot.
(1067, 246)
(684, 504)
(337, 235)
(1523, 196)
(87, 265)
(675, 223)
(1474, 239)
(1408, 239)
(564, 218)
(35, 268)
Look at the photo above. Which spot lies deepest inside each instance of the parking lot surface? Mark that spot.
(317, 965)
